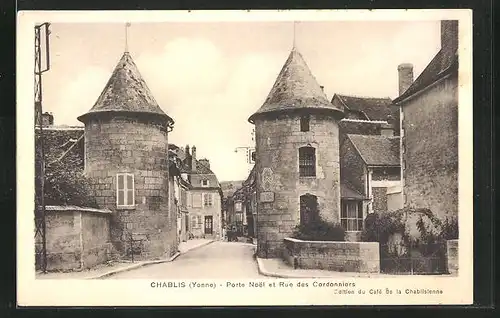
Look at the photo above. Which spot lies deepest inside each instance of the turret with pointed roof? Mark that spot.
(126, 157)
(297, 166)
(296, 89)
(127, 93)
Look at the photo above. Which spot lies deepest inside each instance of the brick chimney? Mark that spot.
(204, 162)
(193, 158)
(449, 35)
(47, 119)
(405, 71)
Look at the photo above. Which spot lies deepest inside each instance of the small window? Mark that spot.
(207, 199)
(351, 217)
(205, 183)
(307, 162)
(238, 207)
(125, 194)
(304, 122)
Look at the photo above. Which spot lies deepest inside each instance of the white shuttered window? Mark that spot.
(125, 194)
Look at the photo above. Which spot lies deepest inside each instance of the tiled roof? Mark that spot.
(348, 192)
(126, 91)
(295, 88)
(229, 187)
(372, 107)
(377, 150)
(443, 63)
(58, 143)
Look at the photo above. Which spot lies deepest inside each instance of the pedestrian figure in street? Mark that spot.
(224, 233)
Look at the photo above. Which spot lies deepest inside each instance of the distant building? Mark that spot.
(429, 113)
(297, 156)
(204, 195)
(370, 167)
(126, 142)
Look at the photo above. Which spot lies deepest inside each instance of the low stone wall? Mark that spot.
(452, 256)
(76, 238)
(334, 256)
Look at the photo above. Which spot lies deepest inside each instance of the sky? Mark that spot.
(210, 77)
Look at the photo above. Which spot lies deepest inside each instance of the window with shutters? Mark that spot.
(125, 194)
(183, 198)
(307, 162)
(196, 200)
(351, 217)
(194, 221)
(207, 199)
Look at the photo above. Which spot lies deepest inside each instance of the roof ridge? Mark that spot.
(363, 97)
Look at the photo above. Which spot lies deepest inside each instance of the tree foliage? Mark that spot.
(65, 182)
(416, 225)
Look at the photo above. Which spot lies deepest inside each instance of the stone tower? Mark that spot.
(297, 156)
(126, 149)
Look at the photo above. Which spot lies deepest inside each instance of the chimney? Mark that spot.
(47, 119)
(193, 158)
(322, 88)
(187, 151)
(405, 71)
(204, 162)
(449, 35)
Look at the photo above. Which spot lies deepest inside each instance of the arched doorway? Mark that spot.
(308, 208)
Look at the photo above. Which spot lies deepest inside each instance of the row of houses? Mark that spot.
(350, 156)
(158, 194)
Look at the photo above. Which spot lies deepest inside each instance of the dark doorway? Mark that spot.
(308, 208)
(208, 225)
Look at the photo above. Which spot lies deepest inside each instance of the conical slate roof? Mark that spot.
(295, 88)
(126, 92)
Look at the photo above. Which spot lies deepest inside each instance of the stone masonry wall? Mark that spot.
(379, 199)
(430, 123)
(125, 145)
(277, 148)
(361, 257)
(76, 238)
(452, 256)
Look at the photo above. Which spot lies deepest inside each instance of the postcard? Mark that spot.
(241, 158)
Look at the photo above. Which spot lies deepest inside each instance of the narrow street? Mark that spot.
(218, 260)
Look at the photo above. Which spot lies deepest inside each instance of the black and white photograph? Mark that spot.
(260, 154)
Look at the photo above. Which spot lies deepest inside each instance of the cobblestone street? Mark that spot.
(219, 260)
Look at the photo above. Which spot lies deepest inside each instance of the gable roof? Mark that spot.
(373, 108)
(126, 92)
(295, 88)
(377, 150)
(443, 63)
(348, 192)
